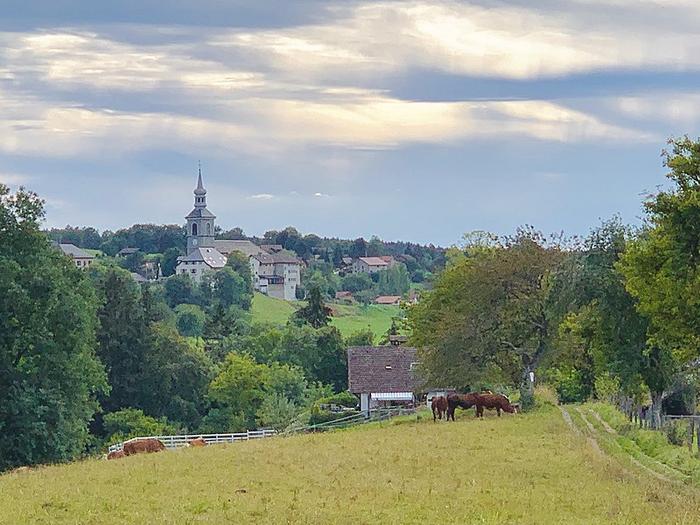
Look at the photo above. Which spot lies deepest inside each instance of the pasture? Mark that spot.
(525, 469)
(347, 318)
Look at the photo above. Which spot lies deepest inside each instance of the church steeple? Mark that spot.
(200, 221)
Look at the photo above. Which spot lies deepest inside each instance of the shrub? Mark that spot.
(606, 387)
(545, 395)
(676, 432)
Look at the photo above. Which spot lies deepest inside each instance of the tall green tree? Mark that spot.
(662, 272)
(49, 373)
(490, 314)
(315, 313)
(122, 335)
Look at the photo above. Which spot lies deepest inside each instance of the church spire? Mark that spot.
(200, 194)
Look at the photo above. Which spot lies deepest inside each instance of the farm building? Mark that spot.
(382, 375)
(388, 299)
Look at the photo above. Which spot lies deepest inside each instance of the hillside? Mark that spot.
(517, 469)
(347, 318)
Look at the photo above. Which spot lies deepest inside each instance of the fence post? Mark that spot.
(691, 433)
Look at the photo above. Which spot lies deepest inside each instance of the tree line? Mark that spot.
(90, 357)
(613, 314)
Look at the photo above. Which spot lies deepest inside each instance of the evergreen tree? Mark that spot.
(316, 313)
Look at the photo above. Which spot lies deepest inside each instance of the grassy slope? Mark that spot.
(349, 319)
(516, 469)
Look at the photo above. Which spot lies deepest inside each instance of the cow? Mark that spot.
(439, 406)
(465, 401)
(143, 445)
(116, 454)
(197, 442)
(491, 401)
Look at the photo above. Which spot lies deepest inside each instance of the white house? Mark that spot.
(80, 257)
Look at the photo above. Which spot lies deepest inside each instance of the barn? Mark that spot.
(383, 375)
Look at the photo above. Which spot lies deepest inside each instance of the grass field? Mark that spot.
(524, 469)
(347, 319)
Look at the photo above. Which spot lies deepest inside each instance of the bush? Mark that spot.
(131, 422)
(344, 399)
(570, 385)
(607, 387)
(676, 432)
(545, 395)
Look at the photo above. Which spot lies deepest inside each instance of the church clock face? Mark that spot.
(194, 242)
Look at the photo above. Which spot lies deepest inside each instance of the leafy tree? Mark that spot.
(179, 289)
(490, 314)
(375, 247)
(276, 411)
(240, 264)
(315, 313)
(169, 261)
(227, 288)
(175, 377)
(131, 422)
(358, 248)
(122, 335)
(337, 255)
(189, 319)
(356, 282)
(394, 280)
(661, 271)
(49, 374)
(360, 338)
(239, 389)
(232, 234)
(133, 262)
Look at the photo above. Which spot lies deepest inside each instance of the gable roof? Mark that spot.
(283, 257)
(374, 261)
(246, 247)
(388, 299)
(381, 369)
(127, 251)
(71, 250)
(210, 256)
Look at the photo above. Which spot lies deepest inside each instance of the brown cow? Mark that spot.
(491, 401)
(143, 445)
(465, 401)
(116, 454)
(439, 406)
(197, 442)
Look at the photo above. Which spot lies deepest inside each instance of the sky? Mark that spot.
(410, 120)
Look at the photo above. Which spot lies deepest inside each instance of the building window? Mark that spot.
(194, 229)
(208, 228)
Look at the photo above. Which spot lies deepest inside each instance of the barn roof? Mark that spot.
(382, 369)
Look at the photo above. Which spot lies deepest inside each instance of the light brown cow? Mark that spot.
(116, 454)
(143, 445)
(197, 442)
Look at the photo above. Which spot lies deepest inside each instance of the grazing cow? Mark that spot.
(116, 454)
(439, 406)
(465, 401)
(491, 401)
(197, 442)
(143, 445)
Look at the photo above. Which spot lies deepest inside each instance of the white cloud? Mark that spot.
(262, 196)
(13, 179)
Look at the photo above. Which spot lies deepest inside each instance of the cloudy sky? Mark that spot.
(409, 120)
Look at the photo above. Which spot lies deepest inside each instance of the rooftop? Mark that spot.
(382, 369)
(246, 247)
(211, 256)
(73, 251)
(374, 261)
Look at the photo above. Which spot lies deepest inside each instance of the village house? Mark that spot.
(388, 300)
(80, 257)
(369, 265)
(382, 375)
(276, 272)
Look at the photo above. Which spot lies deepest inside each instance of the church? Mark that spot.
(276, 272)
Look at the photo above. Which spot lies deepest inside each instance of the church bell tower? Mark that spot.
(200, 221)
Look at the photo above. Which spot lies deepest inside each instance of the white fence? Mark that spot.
(172, 442)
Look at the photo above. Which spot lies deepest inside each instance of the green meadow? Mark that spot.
(526, 469)
(347, 318)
